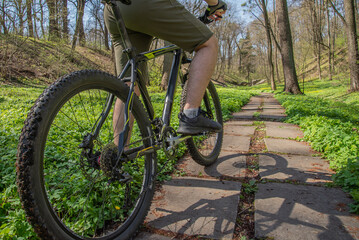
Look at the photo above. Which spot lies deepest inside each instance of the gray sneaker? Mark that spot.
(197, 125)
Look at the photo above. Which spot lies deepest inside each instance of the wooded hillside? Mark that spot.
(248, 51)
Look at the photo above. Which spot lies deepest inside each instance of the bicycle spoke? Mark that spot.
(63, 180)
(83, 107)
(72, 121)
(90, 191)
(103, 208)
(82, 190)
(90, 96)
(88, 196)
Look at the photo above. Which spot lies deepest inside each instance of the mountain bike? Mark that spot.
(73, 183)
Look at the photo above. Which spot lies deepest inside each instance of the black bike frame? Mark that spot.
(132, 65)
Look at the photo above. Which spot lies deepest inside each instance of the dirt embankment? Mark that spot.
(23, 58)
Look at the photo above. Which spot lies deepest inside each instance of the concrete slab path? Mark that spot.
(292, 201)
(287, 211)
(195, 206)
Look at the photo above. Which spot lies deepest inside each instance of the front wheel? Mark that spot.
(205, 148)
(72, 181)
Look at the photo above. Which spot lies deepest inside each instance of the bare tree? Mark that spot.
(267, 26)
(353, 54)
(315, 9)
(42, 18)
(330, 64)
(261, 5)
(65, 20)
(79, 29)
(352, 44)
(96, 12)
(285, 37)
(167, 62)
(3, 9)
(276, 47)
(54, 33)
(29, 17)
(20, 8)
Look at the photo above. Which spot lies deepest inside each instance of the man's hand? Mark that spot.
(214, 12)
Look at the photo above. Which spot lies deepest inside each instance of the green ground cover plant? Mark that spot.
(15, 103)
(329, 118)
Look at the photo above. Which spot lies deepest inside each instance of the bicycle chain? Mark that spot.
(164, 165)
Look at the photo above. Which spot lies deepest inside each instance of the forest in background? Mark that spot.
(320, 33)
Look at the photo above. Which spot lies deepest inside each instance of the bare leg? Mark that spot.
(201, 70)
(118, 119)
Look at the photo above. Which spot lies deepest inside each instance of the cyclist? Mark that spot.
(169, 20)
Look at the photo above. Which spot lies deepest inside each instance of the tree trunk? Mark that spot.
(34, 16)
(82, 39)
(334, 35)
(65, 21)
(276, 63)
(167, 63)
(275, 45)
(20, 14)
(2, 18)
(285, 37)
(29, 17)
(53, 24)
(229, 55)
(316, 12)
(79, 30)
(42, 18)
(319, 35)
(106, 38)
(269, 45)
(353, 55)
(319, 64)
(82, 29)
(330, 74)
(248, 76)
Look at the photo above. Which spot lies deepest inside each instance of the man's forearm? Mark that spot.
(211, 2)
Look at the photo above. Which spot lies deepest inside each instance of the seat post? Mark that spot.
(128, 49)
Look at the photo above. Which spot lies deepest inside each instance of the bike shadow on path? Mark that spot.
(294, 168)
(195, 206)
(229, 164)
(303, 209)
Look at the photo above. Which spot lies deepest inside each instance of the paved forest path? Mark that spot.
(290, 199)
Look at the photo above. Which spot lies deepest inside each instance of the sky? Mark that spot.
(245, 16)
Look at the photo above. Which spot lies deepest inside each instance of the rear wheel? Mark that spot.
(76, 186)
(206, 148)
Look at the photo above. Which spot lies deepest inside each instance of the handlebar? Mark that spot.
(205, 19)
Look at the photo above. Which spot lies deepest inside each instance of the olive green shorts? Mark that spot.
(164, 19)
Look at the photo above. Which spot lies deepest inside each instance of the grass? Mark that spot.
(15, 102)
(329, 118)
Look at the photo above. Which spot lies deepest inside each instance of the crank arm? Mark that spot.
(142, 151)
(177, 140)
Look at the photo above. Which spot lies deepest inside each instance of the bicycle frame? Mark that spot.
(132, 66)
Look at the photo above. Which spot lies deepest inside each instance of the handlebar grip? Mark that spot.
(205, 19)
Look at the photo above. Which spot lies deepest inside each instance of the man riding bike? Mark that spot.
(169, 20)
